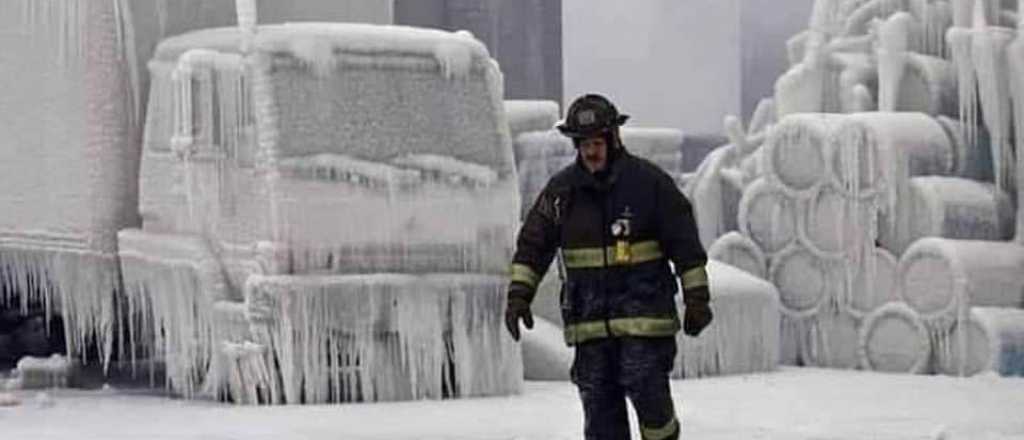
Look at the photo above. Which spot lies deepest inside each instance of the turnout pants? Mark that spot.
(609, 370)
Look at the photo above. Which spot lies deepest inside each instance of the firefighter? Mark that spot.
(615, 222)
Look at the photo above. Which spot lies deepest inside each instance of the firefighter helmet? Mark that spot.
(591, 115)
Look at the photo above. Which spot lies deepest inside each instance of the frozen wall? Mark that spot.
(667, 63)
(525, 36)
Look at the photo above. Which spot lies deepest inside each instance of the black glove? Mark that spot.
(697, 314)
(518, 307)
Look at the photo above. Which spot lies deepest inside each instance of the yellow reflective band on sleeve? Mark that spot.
(695, 277)
(589, 258)
(641, 326)
(660, 433)
(523, 274)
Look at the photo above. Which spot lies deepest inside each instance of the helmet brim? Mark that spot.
(576, 133)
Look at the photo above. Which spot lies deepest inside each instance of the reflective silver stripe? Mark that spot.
(662, 432)
(695, 277)
(640, 326)
(588, 258)
(523, 274)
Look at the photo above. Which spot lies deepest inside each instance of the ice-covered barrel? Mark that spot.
(872, 282)
(928, 85)
(873, 153)
(940, 277)
(743, 337)
(991, 339)
(795, 150)
(768, 215)
(834, 224)
(949, 207)
(736, 250)
(894, 339)
(68, 157)
(805, 281)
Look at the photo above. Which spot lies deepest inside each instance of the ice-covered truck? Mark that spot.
(327, 215)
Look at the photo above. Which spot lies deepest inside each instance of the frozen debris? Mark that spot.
(52, 372)
(743, 338)
(44, 400)
(9, 399)
(835, 225)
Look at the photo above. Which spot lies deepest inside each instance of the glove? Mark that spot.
(518, 307)
(697, 314)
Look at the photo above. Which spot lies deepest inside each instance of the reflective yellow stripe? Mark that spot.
(695, 277)
(660, 433)
(588, 258)
(644, 326)
(523, 274)
(651, 327)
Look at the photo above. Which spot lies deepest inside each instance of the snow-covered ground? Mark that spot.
(793, 403)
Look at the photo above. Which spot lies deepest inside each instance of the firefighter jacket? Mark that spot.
(617, 236)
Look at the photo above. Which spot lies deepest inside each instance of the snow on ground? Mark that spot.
(793, 403)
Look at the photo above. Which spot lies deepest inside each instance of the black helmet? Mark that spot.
(590, 115)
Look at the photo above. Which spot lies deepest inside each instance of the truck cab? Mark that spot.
(328, 211)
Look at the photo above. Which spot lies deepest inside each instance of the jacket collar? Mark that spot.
(583, 178)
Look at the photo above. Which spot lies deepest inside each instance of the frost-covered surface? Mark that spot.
(743, 337)
(792, 404)
(67, 157)
(34, 373)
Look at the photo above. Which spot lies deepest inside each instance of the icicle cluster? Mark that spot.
(383, 337)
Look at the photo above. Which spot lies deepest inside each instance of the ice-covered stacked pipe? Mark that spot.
(991, 339)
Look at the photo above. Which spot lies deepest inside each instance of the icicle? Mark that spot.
(1015, 53)
(385, 337)
(893, 38)
(990, 64)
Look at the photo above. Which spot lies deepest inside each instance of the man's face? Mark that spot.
(594, 152)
